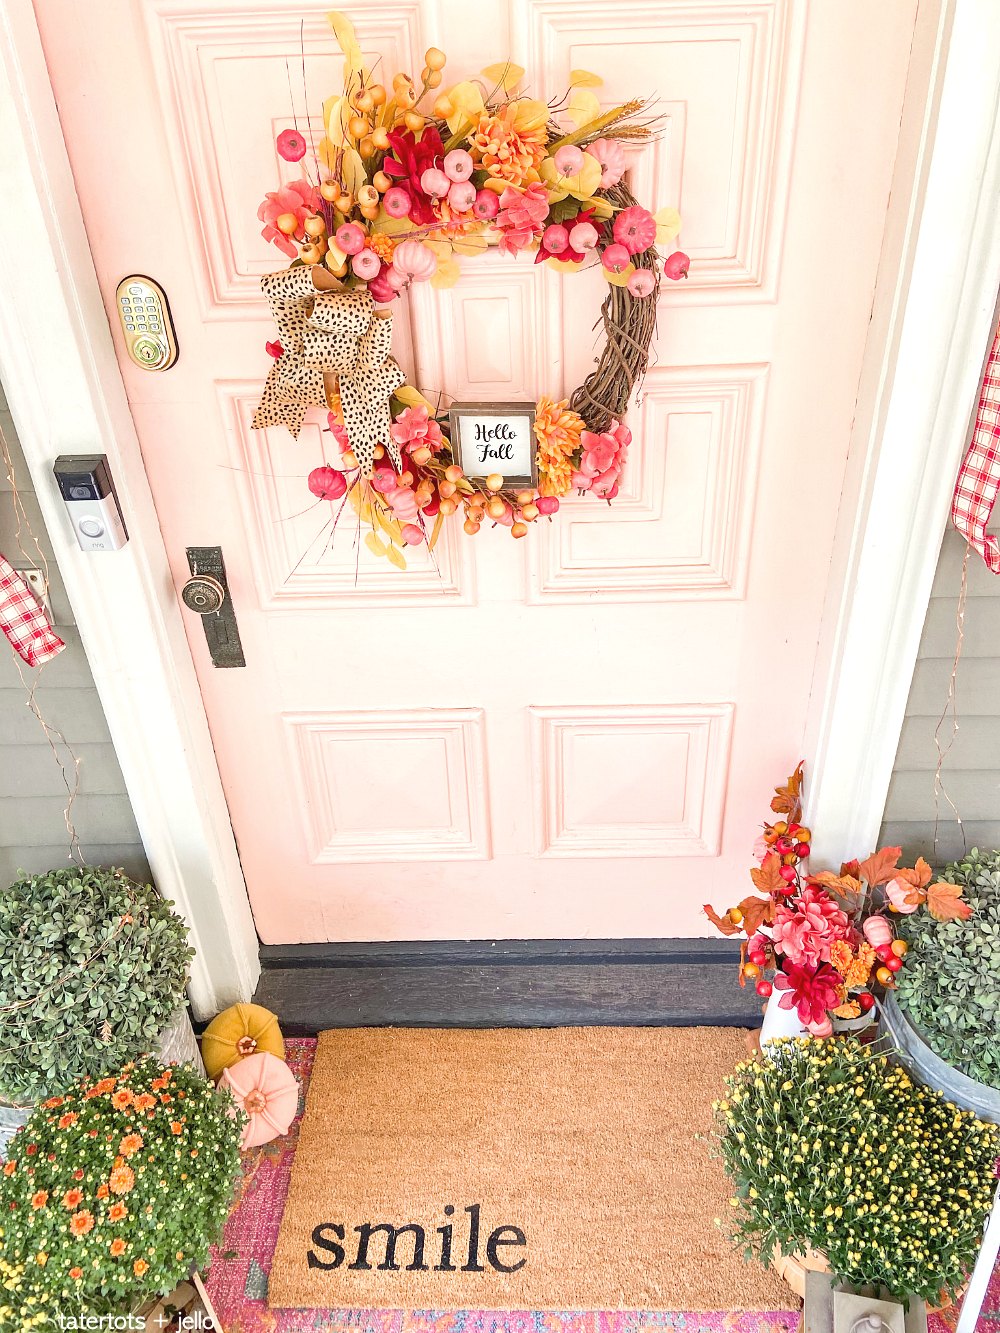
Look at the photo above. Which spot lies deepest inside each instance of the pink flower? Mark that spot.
(415, 428)
(522, 217)
(761, 848)
(811, 993)
(274, 349)
(897, 891)
(603, 460)
(635, 228)
(611, 156)
(805, 933)
(298, 198)
(339, 431)
(291, 145)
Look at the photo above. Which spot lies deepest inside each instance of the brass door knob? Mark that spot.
(203, 594)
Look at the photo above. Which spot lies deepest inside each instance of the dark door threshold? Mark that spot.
(505, 983)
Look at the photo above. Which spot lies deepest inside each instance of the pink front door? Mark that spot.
(573, 735)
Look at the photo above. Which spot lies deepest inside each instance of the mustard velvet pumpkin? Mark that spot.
(242, 1030)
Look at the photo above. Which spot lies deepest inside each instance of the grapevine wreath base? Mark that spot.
(395, 194)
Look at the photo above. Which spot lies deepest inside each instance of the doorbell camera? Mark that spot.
(88, 492)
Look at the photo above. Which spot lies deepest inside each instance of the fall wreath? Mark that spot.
(398, 193)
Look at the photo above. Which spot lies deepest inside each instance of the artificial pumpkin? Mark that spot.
(238, 1032)
(266, 1089)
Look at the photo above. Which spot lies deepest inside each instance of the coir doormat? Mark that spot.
(562, 1169)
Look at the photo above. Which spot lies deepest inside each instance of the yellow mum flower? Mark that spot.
(557, 430)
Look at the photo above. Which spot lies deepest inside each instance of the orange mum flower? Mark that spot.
(102, 1191)
(39, 1199)
(160, 1082)
(117, 1212)
(70, 1118)
(121, 1099)
(382, 245)
(76, 1274)
(72, 1199)
(557, 430)
(130, 1143)
(139, 1267)
(82, 1222)
(504, 150)
(176, 1127)
(121, 1180)
(53, 1101)
(143, 1102)
(117, 1247)
(99, 1089)
(9, 1168)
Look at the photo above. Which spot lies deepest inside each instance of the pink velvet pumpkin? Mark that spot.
(267, 1090)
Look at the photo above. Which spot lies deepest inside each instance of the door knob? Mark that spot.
(206, 593)
(203, 594)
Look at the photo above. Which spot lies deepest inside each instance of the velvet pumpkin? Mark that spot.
(240, 1031)
(267, 1090)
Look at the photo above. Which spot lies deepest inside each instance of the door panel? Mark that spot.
(564, 736)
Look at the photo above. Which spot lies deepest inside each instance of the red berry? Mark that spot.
(794, 828)
(784, 846)
(787, 873)
(893, 963)
(865, 1000)
(758, 957)
(884, 952)
(764, 988)
(801, 849)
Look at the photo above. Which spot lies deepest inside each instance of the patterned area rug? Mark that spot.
(237, 1283)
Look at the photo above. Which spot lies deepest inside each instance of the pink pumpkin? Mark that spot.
(267, 1090)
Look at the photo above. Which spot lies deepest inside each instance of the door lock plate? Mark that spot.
(150, 339)
(207, 594)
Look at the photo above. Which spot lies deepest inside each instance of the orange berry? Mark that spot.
(435, 58)
(751, 970)
(287, 223)
(884, 976)
(518, 529)
(330, 190)
(448, 507)
(494, 482)
(735, 915)
(900, 948)
(453, 472)
(421, 455)
(446, 489)
(471, 527)
(529, 512)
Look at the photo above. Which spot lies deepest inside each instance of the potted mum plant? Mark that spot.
(834, 1150)
(114, 1191)
(824, 940)
(945, 1015)
(93, 969)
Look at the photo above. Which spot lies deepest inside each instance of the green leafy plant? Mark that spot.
(92, 967)
(950, 987)
(114, 1191)
(831, 1145)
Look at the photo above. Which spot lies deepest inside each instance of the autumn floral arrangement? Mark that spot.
(827, 938)
(114, 1191)
(396, 191)
(832, 1147)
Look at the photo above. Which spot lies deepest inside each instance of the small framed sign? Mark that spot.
(488, 438)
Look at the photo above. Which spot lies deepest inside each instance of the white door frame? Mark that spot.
(938, 280)
(65, 392)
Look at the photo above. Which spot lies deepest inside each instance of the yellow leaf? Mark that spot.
(602, 207)
(388, 525)
(563, 265)
(393, 226)
(343, 30)
(447, 274)
(582, 78)
(411, 397)
(530, 114)
(668, 225)
(495, 184)
(439, 247)
(467, 99)
(476, 244)
(395, 557)
(352, 171)
(505, 74)
(619, 279)
(583, 107)
(581, 186)
(376, 545)
(333, 121)
(436, 530)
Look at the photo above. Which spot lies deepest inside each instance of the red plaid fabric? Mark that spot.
(979, 477)
(23, 620)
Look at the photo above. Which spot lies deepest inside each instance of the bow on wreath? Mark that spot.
(330, 333)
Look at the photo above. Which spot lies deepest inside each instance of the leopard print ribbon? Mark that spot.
(330, 333)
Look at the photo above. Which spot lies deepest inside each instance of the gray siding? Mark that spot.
(971, 773)
(32, 796)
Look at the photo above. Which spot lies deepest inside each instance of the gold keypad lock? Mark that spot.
(145, 319)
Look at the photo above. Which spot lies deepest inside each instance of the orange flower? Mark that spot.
(105, 1085)
(139, 1267)
(76, 1274)
(82, 1222)
(116, 1212)
(176, 1127)
(166, 1098)
(102, 1191)
(143, 1102)
(9, 1168)
(117, 1247)
(160, 1082)
(557, 430)
(53, 1101)
(505, 150)
(121, 1099)
(130, 1143)
(41, 1258)
(121, 1180)
(72, 1199)
(383, 246)
(39, 1199)
(70, 1118)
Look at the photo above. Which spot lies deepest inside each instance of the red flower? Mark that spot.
(811, 992)
(410, 159)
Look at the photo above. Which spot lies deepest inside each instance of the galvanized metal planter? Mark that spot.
(930, 1069)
